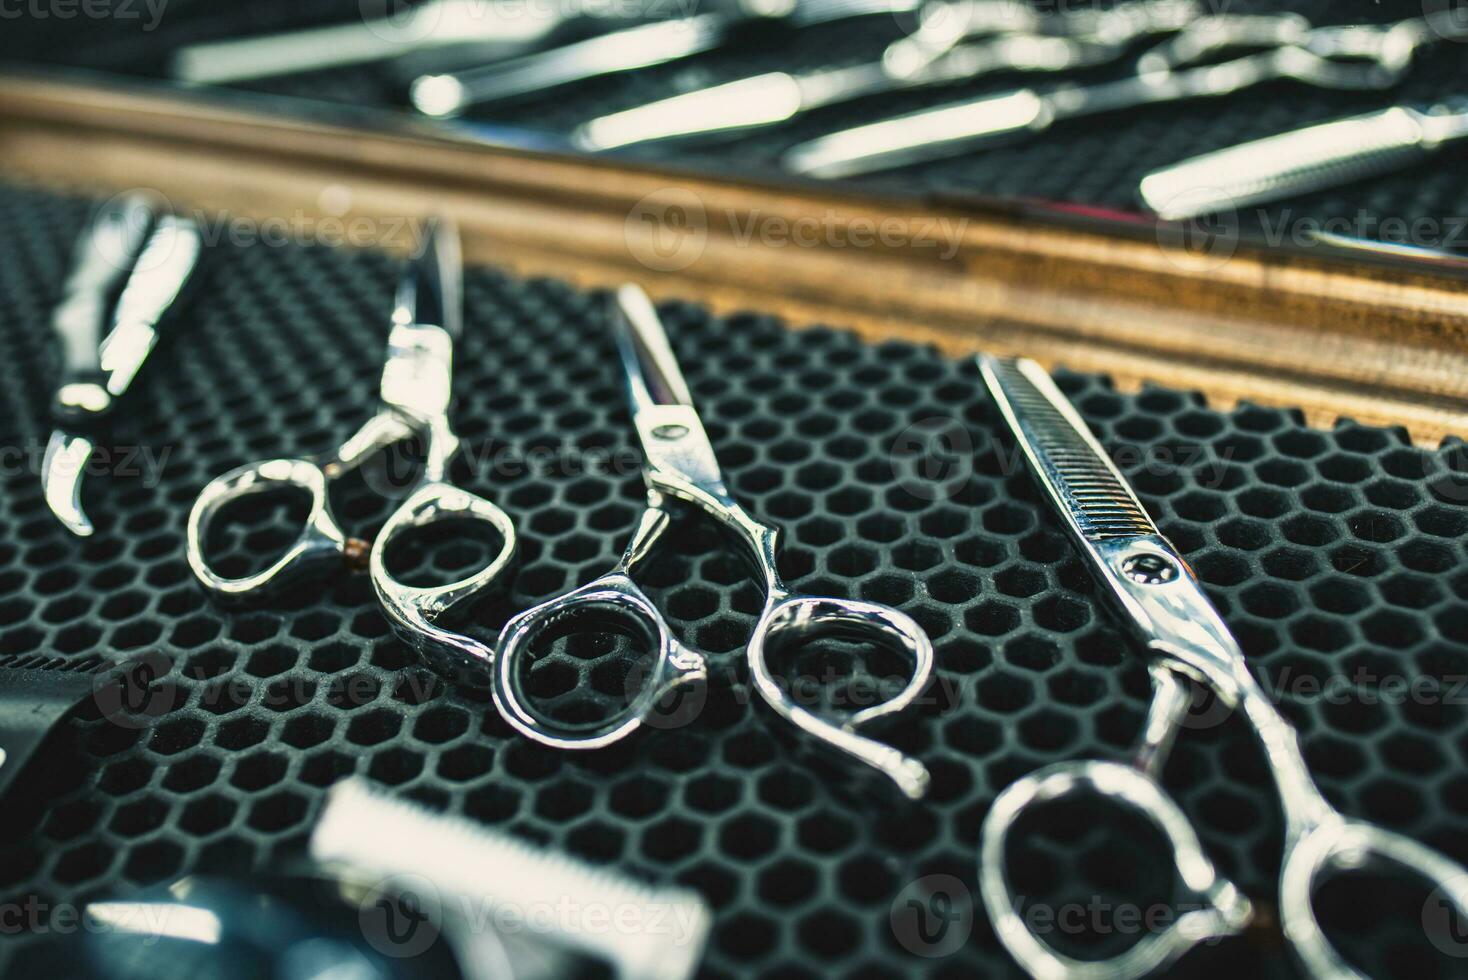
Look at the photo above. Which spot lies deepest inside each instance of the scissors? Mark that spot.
(415, 399)
(130, 269)
(1159, 597)
(714, 24)
(1014, 38)
(680, 469)
(1346, 58)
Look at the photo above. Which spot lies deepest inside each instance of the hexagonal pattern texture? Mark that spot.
(1337, 556)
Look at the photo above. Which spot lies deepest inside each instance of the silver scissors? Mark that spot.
(130, 270)
(1159, 597)
(1350, 58)
(646, 45)
(1015, 38)
(680, 469)
(417, 381)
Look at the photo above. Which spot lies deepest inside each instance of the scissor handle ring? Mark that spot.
(1226, 913)
(416, 613)
(1339, 845)
(615, 601)
(791, 618)
(320, 544)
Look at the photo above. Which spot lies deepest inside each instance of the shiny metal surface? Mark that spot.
(1166, 608)
(510, 27)
(629, 49)
(416, 394)
(932, 56)
(680, 467)
(1303, 161)
(475, 870)
(1366, 58)
(105, 341)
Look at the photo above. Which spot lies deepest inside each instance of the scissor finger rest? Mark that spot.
(416, 613)
(1339, 846)
(610, 604)
(791, 621)
(320, 545)
(1226, 913)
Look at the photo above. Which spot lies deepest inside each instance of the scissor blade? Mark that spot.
(1296, 163)
(61, 480)
(1149, 581)
(757, 100)
(1065, 458)
(431, 290)
(105, 253)
(163, 271)
(628, 49)
(653, 375)
(920, 136)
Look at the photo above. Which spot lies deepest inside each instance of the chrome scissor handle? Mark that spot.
(1134, 786)
(416, 613)
(1225, 913)
(611, 603)
(790, 620)
(1340, 845)
(320, 545)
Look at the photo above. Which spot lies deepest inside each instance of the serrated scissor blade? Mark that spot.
(1070, 464)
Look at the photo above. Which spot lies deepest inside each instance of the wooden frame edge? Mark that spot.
(1380, 345)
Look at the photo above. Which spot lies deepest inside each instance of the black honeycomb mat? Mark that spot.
(1095, 162)
(1337, 556)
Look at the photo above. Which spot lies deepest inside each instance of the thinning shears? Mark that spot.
(416, 394)
(680, 469)
(129, 272)
(1162, 601)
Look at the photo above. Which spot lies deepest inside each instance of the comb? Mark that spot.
(492, 875)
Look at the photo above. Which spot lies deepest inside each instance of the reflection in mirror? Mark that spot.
(1287, 123)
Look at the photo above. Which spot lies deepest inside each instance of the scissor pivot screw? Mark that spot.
(670, 431)
(1149, 569)
(355, 553)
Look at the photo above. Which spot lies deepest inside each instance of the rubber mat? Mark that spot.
(1338, 557)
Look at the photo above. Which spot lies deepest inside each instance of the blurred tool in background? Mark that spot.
(628, 50)
(129, 272)
(1305, 160)
(931, 56)
(1344, 57)
(394, 891)
(487, 28)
